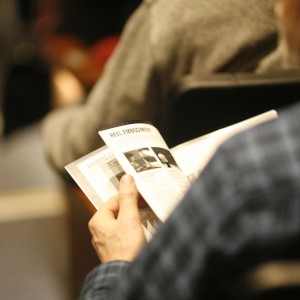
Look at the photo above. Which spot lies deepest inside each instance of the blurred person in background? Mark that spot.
(24, 76)
(161, 42)
(91, 20)
(78, 37)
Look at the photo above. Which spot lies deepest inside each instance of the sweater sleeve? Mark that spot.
(126, 91)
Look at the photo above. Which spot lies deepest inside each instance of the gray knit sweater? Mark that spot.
(162, 41)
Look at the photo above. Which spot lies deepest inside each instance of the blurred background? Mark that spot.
(51, 54)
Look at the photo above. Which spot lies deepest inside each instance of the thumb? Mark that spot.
(128, 198)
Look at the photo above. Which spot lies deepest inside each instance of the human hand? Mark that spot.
(116, 229)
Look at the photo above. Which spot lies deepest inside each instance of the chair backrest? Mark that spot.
(199, 104)
(275, 280)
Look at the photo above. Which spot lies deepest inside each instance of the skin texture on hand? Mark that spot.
(116, 229)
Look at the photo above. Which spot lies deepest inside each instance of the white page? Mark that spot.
(193, 156)
(97, 174)
(143, 153)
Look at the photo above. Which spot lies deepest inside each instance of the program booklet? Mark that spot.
(162, 175)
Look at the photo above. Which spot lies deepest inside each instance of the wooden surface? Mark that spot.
(83, 257)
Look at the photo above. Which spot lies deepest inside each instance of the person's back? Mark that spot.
(163, 41)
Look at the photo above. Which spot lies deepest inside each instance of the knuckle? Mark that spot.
(128, 194)
(91, 224)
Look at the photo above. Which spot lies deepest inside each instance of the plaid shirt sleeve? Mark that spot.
(102, 280)
(247, 197)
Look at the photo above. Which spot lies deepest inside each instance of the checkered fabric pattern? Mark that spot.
(244, 208)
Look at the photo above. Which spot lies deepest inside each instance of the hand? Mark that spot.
(116, 229)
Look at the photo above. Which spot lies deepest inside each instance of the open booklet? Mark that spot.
(162, 175)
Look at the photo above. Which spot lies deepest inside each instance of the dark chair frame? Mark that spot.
(200, 104)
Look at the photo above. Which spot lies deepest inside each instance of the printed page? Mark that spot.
(193, 156)
(97, 174)
(143, 153)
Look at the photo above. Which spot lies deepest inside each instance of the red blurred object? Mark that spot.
(86, 63)
(102, 50)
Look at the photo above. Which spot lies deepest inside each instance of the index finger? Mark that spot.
(108, 212)
(110, 208)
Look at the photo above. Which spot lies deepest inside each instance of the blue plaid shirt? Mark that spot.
(246, 202)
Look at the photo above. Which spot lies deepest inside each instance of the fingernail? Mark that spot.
(127, 179)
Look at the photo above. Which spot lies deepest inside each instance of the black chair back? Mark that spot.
(201, 104)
